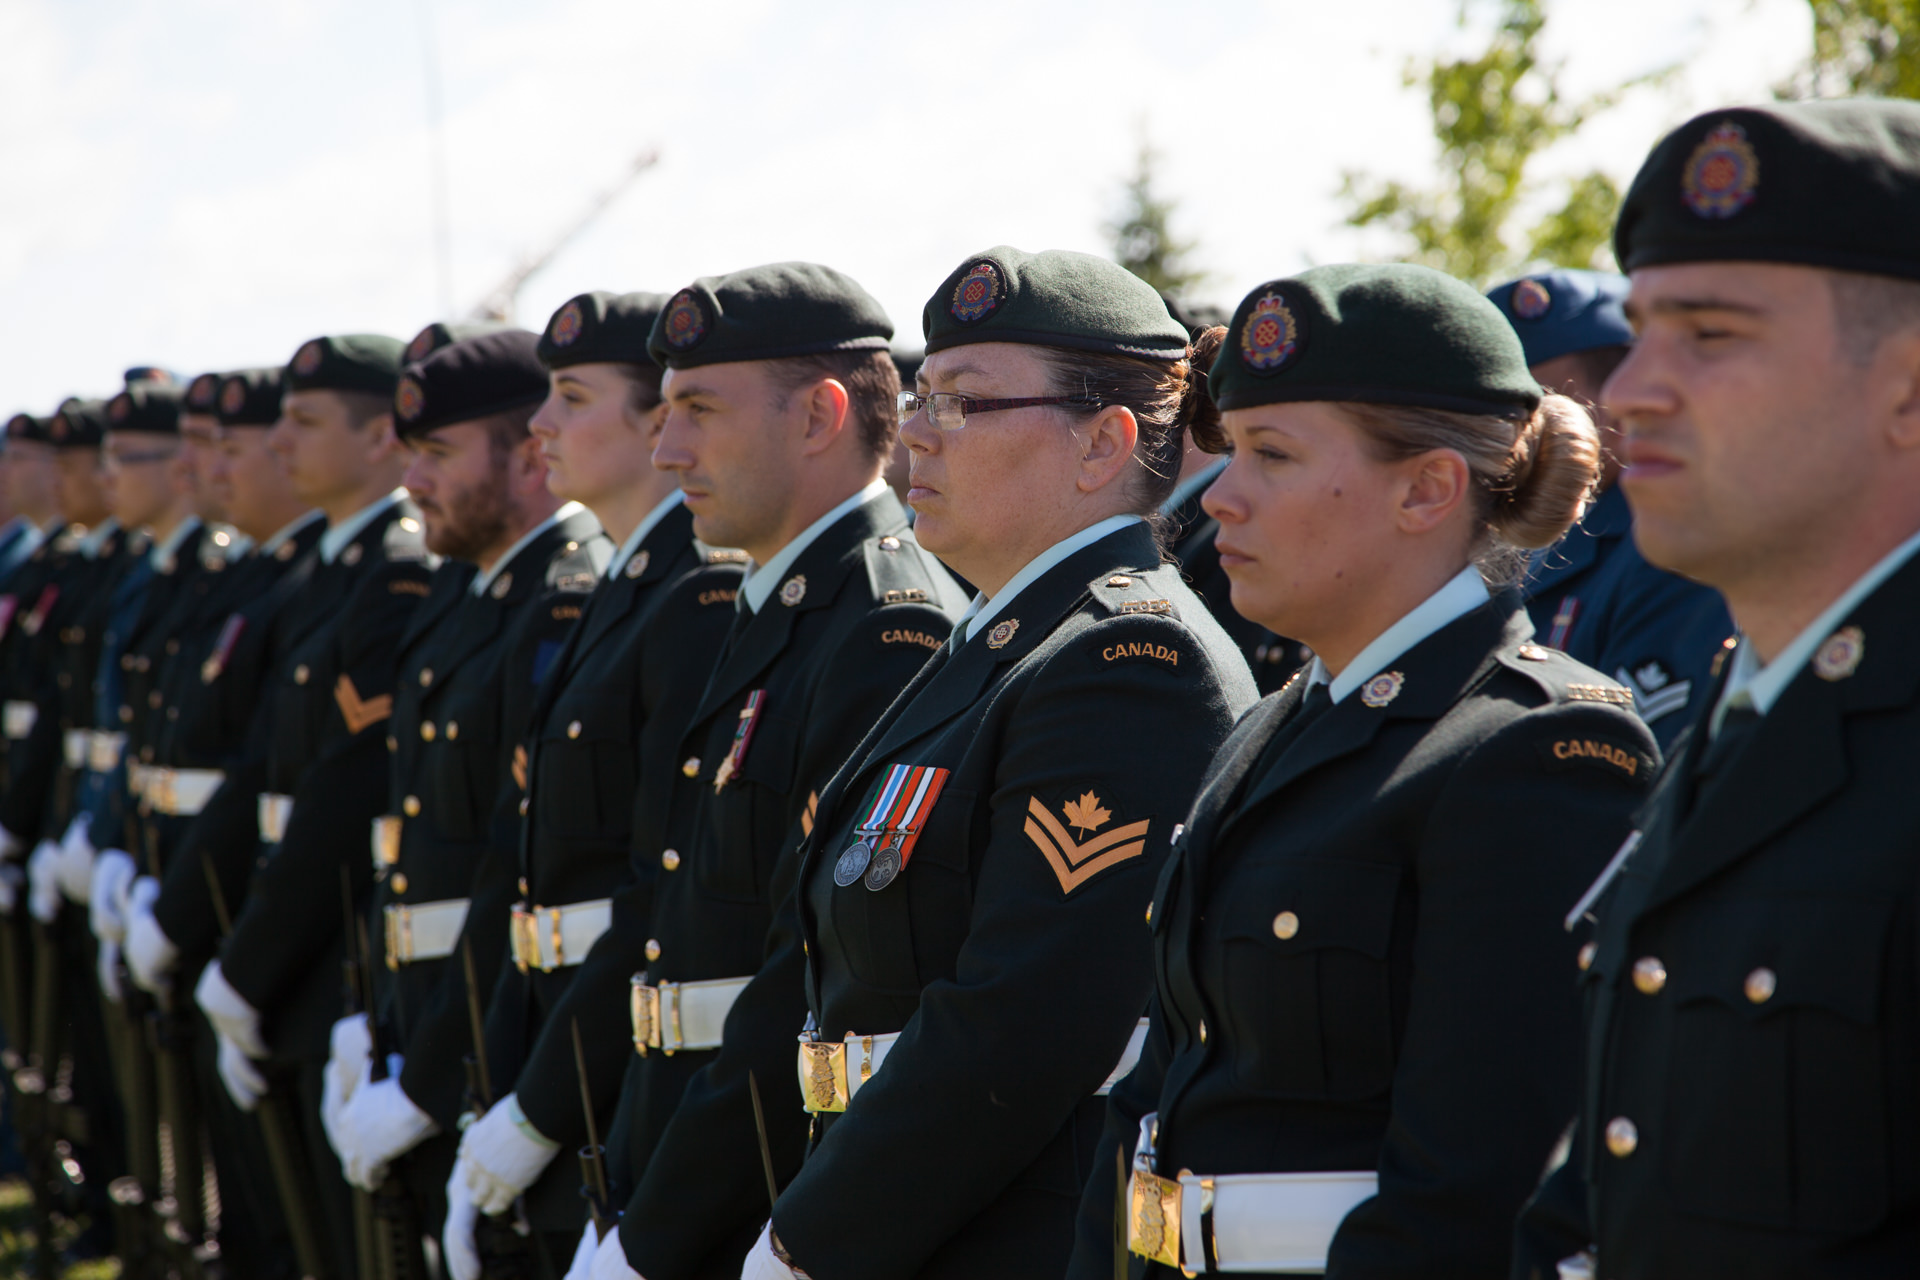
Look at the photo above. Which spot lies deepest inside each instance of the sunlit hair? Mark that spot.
(872, 381)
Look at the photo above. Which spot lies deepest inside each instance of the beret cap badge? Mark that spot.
(203, 391)
(306, 361)
(121, 407)
(233, 396)
(1531, 300)
(422, 345)
(977, 293)
(1722, 174)
(1271, 336)
(567, 324)
(409, 399)
(686, 321)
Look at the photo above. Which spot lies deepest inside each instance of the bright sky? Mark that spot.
(205, 184)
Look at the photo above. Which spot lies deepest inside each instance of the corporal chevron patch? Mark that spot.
(1074, 862)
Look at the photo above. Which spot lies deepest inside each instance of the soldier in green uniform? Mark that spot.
(1753, 1001)
(518, 565)
(274, 994)
(633, 665)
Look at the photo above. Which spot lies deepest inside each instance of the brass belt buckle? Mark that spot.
(386, 842)
(669, 1010)
(399, 937)
(1153, 1218)
(525, 937)
(645, 1004)
(553, 932)
(823, 1075)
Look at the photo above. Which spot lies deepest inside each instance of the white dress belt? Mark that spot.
(832, 1073)
(672, 1016)
(73, 746)
(179, 793)
(18, 717)
(103, 750)
(274, 812)
(428, 931)
(549, 938)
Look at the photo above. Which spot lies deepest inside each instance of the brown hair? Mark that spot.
(1870, 309)
(872, 381)
(643, 384)
(1532, 478)
(1169, 401)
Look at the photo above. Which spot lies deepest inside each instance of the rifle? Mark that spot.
(504, 1246)
(593, 1156)
(395, 1223)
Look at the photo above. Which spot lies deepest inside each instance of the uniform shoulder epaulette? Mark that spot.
(1563, 679)
(724, 555)
(897, 572)
(1124, 594)
(404, 540)
(577, 567)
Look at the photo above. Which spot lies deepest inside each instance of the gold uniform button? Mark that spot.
(453, 731)
(411, 806)
(1203, 1031)
(523, 806)
(670, 860)
(653, 949)
(1149, 913)
(393, 743)
(300, 674)
(126, 715)
(426, 731)
(398, 882)
(1285, 925)
(573, 730)
(1649, 975)
(1585, 958)
(691, 767)
(1761, 984)
(154, 699)
(1622, 1136)
(426, 676)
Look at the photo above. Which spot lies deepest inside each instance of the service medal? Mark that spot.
(886, 865)
(853, 863)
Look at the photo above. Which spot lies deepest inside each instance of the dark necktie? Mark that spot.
(742, 619)
(1736, 726)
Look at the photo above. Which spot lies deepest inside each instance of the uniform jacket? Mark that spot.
(330, 694)
(1593, 595)
(1417, 1019)
(1768, 1077)
(828, 661)
(1006, 952)
(467, 682)
(1272, 658)
(30, 648)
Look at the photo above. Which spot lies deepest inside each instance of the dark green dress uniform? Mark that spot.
(1752, 995)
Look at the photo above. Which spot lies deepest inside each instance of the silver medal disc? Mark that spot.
(853, 862)
(886, 865)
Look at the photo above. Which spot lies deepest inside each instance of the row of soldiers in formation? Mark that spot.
(587, 712)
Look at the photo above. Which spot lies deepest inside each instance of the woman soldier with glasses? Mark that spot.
(971, 896)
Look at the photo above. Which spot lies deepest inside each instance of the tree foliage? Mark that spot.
(1862, 47)
(1143, 239)
(1493, 113)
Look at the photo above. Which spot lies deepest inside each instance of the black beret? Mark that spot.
(601, 328)
(203, 394)
(443, 334)
(149, 375)
(26, 426)
(1051, 299)
(1387, 334)
(767, 313)
(148, 407)
(1820, 184)
(1557, 313)
(251, 397)
(78, 424)
(473, 378)
(368, 362)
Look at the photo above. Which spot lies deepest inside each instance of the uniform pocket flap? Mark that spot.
(1767, 954)
(1309, 904)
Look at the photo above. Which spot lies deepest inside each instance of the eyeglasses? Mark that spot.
(949, 411)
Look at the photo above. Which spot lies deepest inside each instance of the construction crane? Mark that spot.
(499, 303)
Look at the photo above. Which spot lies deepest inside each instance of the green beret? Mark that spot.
(25, 426)
(601, 328)
(203, 395)
(145, 375)
(1831, 184)
(1051, 299)
(148, 407)
(1386, 334)
(767, 313)
(251, 397)
(474, 378)
(368, 362)
(78, 424)
(442, 334)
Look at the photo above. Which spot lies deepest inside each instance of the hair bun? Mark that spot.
(1551, 473)
(1198, 413)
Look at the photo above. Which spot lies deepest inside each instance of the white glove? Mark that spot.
(229, 1012)
(581, 1268)
(352, 1045)
(13, 879)
(610, 1260)
(150, 953)
(380, 1123)
(457, 1252)
(106, 966)
(113, 875)
(43, 882)
(245, 1085)
(501, 1155)
(760, 1263)
(76, 858)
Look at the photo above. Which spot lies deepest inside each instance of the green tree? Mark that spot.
(1143, 239)
(1861, 47)
(1493, 113)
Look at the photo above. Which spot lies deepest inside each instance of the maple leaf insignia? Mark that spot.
(1086, 813)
